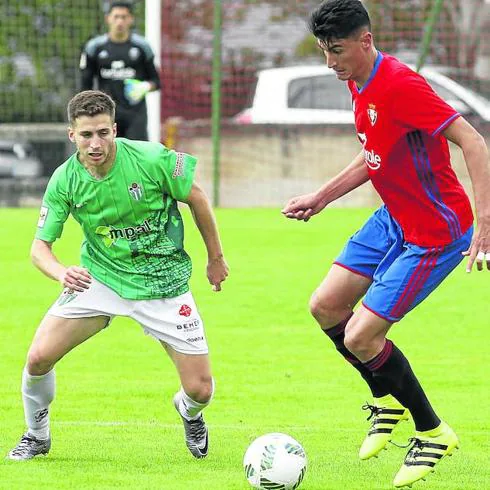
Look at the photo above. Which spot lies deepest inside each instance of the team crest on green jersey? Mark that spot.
(136, 191)
(110, 235)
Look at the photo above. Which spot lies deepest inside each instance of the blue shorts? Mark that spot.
(403, 274)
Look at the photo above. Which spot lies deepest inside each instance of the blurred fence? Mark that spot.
(40, 42)
(265, 165)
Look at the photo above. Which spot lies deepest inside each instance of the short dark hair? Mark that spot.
(120, 3)
(338, 19)
(90, 103)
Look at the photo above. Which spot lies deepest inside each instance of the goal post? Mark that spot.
(153, 36)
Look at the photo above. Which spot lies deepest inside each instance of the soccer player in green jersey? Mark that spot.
(124, 195)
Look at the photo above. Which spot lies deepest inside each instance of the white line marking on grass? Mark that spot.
(116, 423)
(275, 428)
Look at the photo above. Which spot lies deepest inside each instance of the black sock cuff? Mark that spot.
(338, 330)
(377, 362)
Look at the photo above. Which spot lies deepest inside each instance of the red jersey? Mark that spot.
(399, 120)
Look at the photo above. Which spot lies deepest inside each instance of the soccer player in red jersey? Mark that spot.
(411, 243)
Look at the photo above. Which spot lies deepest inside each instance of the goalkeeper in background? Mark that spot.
(121, 64)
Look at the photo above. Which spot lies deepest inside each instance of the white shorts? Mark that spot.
(175, 321)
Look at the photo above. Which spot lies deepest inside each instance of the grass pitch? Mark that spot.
(113, 424)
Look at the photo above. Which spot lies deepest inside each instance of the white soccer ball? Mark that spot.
(275, 461)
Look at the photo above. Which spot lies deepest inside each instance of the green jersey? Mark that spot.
(133, 231)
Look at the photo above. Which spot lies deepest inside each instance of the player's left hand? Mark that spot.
(217, 272)
(135, 90)
(479, 250)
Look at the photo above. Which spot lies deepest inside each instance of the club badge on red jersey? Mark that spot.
(372, 113)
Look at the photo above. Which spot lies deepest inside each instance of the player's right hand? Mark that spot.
(479, 249)
(76, 278)
(303, 207)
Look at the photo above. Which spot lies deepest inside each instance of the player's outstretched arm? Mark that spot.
(217, 269)
(475, 153)
(73, 277)
(305, 206)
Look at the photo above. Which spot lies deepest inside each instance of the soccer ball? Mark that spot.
(275, 461)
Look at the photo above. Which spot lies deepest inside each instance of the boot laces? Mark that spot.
(417, 446)
(24, 445)
(375, 411)
(196, 429)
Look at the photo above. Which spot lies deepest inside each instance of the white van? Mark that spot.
(313, 95)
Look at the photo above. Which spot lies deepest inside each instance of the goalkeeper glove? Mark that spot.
(135, 90)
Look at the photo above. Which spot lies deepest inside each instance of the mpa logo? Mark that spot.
(109, 234)
(185, 310)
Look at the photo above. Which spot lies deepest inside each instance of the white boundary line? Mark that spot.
(161, 425)
(284, 428)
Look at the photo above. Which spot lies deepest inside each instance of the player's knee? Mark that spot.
(38, 363)
(201, 389)
(356, 341)
(325, 309)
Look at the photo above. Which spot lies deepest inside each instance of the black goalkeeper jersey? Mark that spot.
(105, 65)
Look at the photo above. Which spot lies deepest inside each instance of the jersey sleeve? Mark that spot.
(178, 171)
(88, 66)
(152, 74)
(417, 107)
(148, 62)
(55, 209)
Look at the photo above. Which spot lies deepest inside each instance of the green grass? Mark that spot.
(113, 424)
